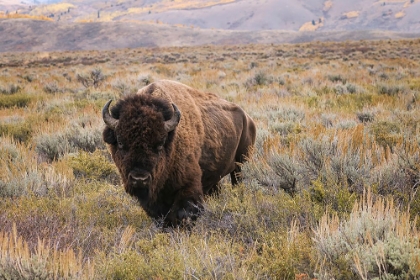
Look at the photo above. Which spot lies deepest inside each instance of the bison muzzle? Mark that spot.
(172, 144)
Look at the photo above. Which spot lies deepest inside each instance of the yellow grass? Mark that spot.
(409, 2)
(137, 10)
(55, 264)
(400, 14)
(14, 15)
(52, 8)
(352, 14)
(183, 4)
(308, 26)
(327, 5)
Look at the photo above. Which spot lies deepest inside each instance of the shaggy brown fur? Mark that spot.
(210, 141)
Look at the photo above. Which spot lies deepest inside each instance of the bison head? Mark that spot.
(140, 131)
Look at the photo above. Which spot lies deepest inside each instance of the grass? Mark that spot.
(336, 164)
(17, 261)
(16, 15)
(376, 241)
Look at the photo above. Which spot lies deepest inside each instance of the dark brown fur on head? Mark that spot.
(140, 142)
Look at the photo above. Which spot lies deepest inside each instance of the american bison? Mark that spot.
(172, 144)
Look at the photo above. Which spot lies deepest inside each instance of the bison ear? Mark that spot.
(173, 122)
(109, 136)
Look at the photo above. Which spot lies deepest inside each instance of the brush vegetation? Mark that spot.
(329, 193)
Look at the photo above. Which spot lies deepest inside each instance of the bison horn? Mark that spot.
(108, 119)
(173, 122)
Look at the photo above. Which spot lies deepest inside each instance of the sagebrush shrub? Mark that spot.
(52, 88)
(145, 79)
(386, 133)
(328, 120)
(94, 78)
(53, 146)
(93, 166)
(122, 87)
(315, 156)
(346, 124)
(259, 79)
(409, 163)
(285, 128)
(377, 241)
(87, 138)
(391, 90)
(337, 78)
(340, 89)
(10, 89)
(365, 116)
(22, 175)
(282, 113)
(352, 88)
(76, 137)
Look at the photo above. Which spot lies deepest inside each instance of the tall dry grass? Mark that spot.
(17, 261)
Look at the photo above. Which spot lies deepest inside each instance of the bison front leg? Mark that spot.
(236, 175)
(186, 208)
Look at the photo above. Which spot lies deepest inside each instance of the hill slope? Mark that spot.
(293, 15)
(38, 35)
(94, 24)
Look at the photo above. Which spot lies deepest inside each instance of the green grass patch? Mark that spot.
(93, 166)
(15, 100)
(21, 132)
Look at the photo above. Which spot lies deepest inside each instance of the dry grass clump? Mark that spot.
(21, 173)
(84, 134)
(333, 120)
(376, 241)
(17, 261)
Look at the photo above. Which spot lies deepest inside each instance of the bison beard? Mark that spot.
(169, 162)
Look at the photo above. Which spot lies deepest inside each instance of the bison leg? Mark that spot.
(186, 208)
(235, 175)
(214, 190)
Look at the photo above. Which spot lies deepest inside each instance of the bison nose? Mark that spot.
(141, 180)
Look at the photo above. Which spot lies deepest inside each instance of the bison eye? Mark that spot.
(159, 147)
(119, 143)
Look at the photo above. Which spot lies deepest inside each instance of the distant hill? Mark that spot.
(292, 15)
(93, 24)
(38, 35)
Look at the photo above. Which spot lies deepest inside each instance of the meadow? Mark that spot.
(329, 193)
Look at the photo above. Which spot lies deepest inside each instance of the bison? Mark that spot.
(172, 144)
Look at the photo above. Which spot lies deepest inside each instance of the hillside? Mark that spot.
(49, 25)
(395, 15)
(39, 35)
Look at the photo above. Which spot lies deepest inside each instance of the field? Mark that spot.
(330, 192)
